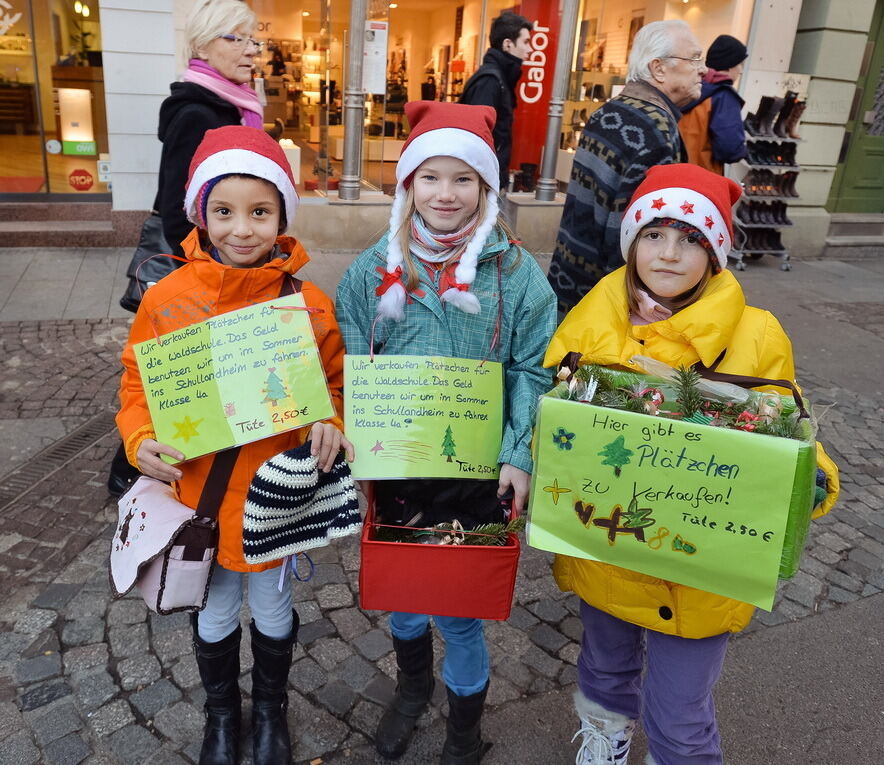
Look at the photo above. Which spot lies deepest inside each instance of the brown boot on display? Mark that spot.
(779, 128)
(794, 118)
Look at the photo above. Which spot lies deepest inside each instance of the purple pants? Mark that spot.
(674, 699)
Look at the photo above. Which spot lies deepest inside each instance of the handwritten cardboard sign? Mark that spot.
(423, 416)
(701, 506)
(234, 378)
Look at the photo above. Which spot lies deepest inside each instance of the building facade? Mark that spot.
(81, 84)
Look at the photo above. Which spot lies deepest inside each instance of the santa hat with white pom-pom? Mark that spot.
(442, 130)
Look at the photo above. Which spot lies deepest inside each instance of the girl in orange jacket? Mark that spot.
(241, 194)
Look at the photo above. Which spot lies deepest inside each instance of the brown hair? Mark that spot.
(634, 284)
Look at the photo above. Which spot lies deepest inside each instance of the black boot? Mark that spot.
(219, 670)
(414, 687)
(271, 744)
(463, 742)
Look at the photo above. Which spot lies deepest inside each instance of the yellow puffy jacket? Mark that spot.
(599, 328)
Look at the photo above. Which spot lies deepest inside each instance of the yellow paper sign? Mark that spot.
(234, 378)
(423, 416)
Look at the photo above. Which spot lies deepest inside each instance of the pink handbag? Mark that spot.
(165, 548)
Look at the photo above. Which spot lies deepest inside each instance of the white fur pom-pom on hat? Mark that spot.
(442, 130)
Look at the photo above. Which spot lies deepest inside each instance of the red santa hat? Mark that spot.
(440, 129)
(238, 150)
(686, 193)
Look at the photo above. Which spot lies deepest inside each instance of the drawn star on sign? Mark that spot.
(187, 429)
(378, 447)
(555, 491)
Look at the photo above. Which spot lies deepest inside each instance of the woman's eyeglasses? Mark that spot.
(243, 42)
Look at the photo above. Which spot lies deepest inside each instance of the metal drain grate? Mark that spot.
(41, 466)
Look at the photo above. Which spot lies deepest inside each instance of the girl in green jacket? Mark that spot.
(653, 648)
(448, 281)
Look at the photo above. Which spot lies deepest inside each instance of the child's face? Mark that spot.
(668, 261)
(242, 218)
(446, 193)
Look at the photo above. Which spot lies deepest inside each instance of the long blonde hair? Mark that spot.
(404, 233)
(634, 284)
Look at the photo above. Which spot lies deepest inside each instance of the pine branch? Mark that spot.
(686, 392)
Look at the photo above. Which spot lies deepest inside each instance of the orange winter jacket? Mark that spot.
(198, 290)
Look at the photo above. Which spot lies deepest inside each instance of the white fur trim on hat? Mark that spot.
(681, 204)
(450, 142)
(241, 162)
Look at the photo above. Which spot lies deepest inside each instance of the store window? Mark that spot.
(53, 131)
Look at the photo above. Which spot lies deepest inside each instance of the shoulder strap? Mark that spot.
(745, 381)
(222, 465)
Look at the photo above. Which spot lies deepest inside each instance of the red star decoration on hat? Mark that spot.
(709, 222)
(657, 204)
(638, 215)
(687, 207)
(720, 239)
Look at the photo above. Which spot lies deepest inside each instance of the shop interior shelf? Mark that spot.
(763, 225)
(773, 167)
(768, 198)
(754, 138)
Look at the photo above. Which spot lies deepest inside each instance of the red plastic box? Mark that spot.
(446, 580)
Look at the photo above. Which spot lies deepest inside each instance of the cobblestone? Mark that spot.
(131, 691)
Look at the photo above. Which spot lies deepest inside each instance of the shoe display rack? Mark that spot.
(769, 183)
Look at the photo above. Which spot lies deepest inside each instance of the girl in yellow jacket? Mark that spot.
(676, 302)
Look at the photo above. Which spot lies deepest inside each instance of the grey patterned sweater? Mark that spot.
(621, 141)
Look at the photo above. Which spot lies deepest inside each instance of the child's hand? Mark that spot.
(149, 462)
(519, 481)
(327, 442)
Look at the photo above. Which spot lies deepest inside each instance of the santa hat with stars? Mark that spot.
(684, 194)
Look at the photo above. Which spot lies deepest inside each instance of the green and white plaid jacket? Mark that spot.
(432, 328)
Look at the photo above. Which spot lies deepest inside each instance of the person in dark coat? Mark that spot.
(494, 83)
(621, 141)
(712, 126)
(214, 93)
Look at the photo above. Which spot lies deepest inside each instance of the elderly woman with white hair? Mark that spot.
(620, 142)
(214, 92)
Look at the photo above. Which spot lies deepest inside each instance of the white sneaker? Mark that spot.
(606, 735)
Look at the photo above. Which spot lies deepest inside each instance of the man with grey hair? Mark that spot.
(621, 141)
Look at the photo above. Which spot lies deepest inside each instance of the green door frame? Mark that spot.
(858, 183)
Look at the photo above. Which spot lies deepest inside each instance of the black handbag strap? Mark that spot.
(222, 466)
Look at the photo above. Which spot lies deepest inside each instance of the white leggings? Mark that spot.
(271, 609)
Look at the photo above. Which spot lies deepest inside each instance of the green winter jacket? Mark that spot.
(432, 328)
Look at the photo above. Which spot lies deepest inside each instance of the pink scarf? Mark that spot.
(241, 96)
(649, 310)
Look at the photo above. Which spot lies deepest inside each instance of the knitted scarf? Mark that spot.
(437, 248)
(241, 96)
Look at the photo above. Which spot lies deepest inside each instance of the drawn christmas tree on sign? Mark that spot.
(448, 444)
(275, 390)
(616, 454)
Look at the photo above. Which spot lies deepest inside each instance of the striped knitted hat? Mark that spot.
(293, 506)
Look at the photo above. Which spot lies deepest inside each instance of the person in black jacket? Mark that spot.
(214, 93)
(494, 83)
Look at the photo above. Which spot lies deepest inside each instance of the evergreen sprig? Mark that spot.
(686, 391)
(485, 535)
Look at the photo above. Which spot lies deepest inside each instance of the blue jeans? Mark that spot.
(674, 699)
(271, 609)
(465, 668)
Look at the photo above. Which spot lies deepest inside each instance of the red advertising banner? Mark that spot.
(534, 89)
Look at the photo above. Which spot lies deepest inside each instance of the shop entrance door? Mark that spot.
(858, 186)
(22, 167)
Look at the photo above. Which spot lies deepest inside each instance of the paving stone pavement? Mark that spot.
(86, 679)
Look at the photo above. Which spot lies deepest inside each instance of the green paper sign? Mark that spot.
(693, 504)
(235, 378)
(423, 416)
